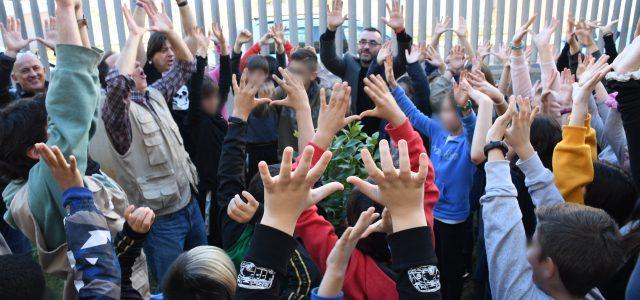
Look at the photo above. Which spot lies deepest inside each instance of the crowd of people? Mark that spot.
(130, 162)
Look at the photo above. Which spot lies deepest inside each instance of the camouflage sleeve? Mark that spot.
(91, 253)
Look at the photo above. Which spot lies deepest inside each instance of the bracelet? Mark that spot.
(496, 145)
(514, 47)
(183, 4)
(466, 107)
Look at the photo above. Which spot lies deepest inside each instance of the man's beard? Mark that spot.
(369, 57)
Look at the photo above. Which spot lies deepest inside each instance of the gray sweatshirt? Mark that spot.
(510, 274)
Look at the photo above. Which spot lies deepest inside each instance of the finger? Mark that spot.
(234, 82)
(62, 162)
(323, 99)
(353, 118)
(239, 203)
(250, 199)
(72, 163)
(267, 180)
(373, 228)
(368, 113)
(370, 190)
(405, 164)
(46, 154)
(363, 222)
(149, 217)
(128, 211)
(316, 172)
(423, 169)
(386, 162)
(285, 165)
(324, 191)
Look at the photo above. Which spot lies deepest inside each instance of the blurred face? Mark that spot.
(28, 73)
(210, 104)
(258, 76)
(139, 77)
(303, 72)
(368, 46)
(164, 58)
(543, 269)
(449, 116)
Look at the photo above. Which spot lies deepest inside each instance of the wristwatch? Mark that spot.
(496, 145)
(82, 22)
(183, 3)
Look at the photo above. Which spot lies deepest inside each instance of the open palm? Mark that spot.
(12, 36)
(335, 18)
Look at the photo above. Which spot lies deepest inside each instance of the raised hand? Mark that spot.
(584, 32)
(245, 100)
(499, 127)
(401, 191)
(139, 219)
(240, 211)
(287, 195)
(338, 259)
(244, 37)
(543, 38)
(334, 15)
(478, 82)
(503, 55)
(460, 95)
(484, 50)
(12, 37)
(384, 51)
(203, 41)
(386, 106)
(475, 94)
(518, 134)
(396, 16)
(66, 174)
(593, 67)
(50, 33)
(384, 225)
(461, 30)
(160, 21)
(594, 73)
(216, 31)
(456, 58)
(297, 97)
(333, 116)
(522, 31)
(609, 28)
(414, 55)
(134, 28)
(432, 56)
(442, 26)
(266, 39)
(388, 73)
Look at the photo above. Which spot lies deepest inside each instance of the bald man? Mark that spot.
(23, 68)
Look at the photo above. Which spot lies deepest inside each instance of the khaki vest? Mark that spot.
(156, 171)
(110, 200)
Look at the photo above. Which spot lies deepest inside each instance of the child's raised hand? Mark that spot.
(66, 174)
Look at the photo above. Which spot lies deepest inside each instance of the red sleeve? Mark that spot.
(254, 50)
(416, 147)
(317, 154)
(288, 48)
(365, 279)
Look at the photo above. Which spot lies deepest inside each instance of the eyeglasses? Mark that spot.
(371, 43)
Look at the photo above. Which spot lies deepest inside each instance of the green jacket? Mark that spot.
(71, 103)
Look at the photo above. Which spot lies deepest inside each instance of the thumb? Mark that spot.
(366, 188)
(283, 102)
(324, 191)
(250, 199)
(351, 119)
(128, 211)
(260, 101)
(375, 227)
(369, 113)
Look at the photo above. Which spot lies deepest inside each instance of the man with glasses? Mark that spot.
(353, 69)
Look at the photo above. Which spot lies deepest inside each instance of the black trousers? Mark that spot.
(257, 153)
(450, 242)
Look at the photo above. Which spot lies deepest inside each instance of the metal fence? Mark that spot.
(488, 20)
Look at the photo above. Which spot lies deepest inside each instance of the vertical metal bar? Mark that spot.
(475, 22)
(51, 7)
(17, 9)
(277, 11)
(353, 26)
(635, 20)
(422, 20)
(246, 17)
(605, 12)
(381, 13)
(117, 8)
(86, 9)
(293, 23)
(616, 11)
(37, 22)
(525, 12)
(560, 18)
(583, 9)
(308, 22)
(435, 14)
(263, 22)
(536, 26)
(595, 5)
(408, 17)
(624, 33)
(513, 12)
(449, 35)
(323, 16)
(499, 39)
(548, 12)
(104, 25)
(215, 11)
(463, 8)
(366, 13)
(233, 28)
(488, 13)
(200, 14)
(3, 13)
(167, 5)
